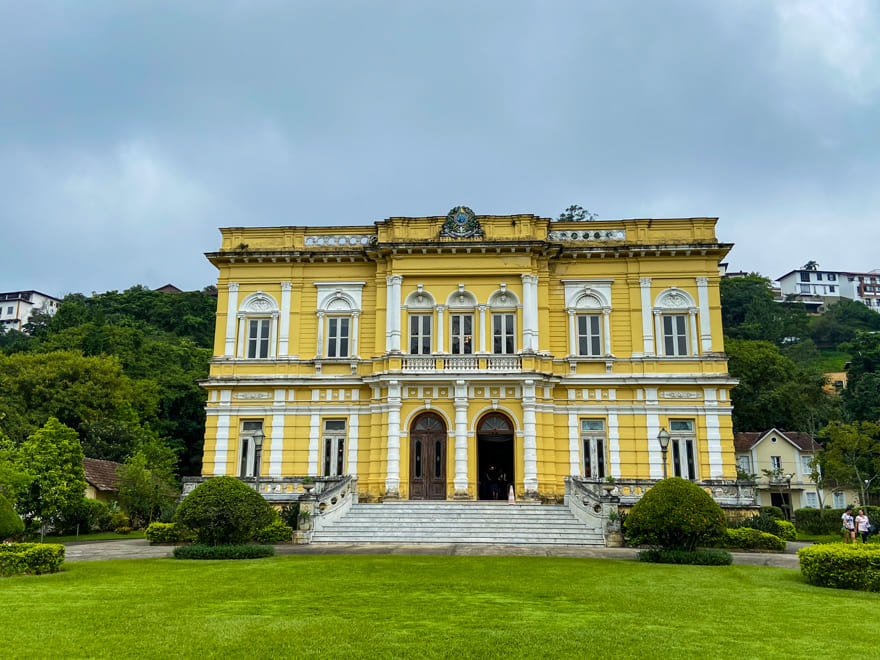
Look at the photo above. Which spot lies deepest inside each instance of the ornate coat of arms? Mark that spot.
(461, 223)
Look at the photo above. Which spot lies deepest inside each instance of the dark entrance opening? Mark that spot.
(427, 458)
(495, 473)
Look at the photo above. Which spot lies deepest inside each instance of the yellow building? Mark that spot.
(432, 357)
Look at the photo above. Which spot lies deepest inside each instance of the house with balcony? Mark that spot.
(16, 307)
(430, 357)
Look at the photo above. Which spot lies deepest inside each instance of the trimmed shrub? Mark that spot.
(224, 510)
(786, 530)
(119, 520)
(241, 551)
(771, 512)
(276, 532)
(30, 558)
(695, 557)
(747, 538)
(169, 533)
(841, 566)
(766, 523)
(675, 514)
(11, 523)
(87, 515)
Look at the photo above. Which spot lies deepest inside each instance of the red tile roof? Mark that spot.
(101, 474)
(803, 441)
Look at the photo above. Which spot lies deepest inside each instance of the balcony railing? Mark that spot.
(462, 363)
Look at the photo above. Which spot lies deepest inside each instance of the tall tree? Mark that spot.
(852, 455)
(749, 311)
(147, 482)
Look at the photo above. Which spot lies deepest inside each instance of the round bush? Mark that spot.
(675, 514)
(277, 532)
(224, 510)
(841, 566)
(11, 523)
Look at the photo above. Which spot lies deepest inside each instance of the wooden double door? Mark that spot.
(427, 462)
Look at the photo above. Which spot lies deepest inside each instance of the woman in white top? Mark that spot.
(862, 523)
(849, 527)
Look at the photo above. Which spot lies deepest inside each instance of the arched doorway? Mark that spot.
(427, 458)
(495, 465)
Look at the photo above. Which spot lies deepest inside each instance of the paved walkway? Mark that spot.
(140, 549)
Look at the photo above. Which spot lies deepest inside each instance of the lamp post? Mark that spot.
(788, 510)
(663, 439)
(258, 437)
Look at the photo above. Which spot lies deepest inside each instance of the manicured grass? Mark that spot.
(96, 536)
(413, 606)
(833, 538)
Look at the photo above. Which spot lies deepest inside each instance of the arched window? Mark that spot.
(420, 308)
(495, 423)
(338, 312)
(503, 305)
(589, 312)
(461, 306)
(257, 326)
(675, 322)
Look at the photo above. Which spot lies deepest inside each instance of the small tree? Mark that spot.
(675, 514)
(224, 510)
(852, 455)
(10, 522)
(575, 213)
(147, 483)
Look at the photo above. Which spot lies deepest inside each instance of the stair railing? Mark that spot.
(592, 503)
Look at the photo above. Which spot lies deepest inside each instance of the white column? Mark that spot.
(441, 324)
(658, 324)
(284, 321)
(221, 444)
(647, 330)
(461, 462)
(242, 334)
(392, 480)
(572, 333)
(314, 441)
(320, 352)
(530, 443)
(231, 309)
(354, 334)
(273, 334)
(655, 456)
(606, 329)
(530, 312)
(483, 333)
(574, 453)
(388, 305)
(695, 345)
(392, 318)
(276, 446)
(713, 434)
(705, 322)
(353, 442)
(614, 445)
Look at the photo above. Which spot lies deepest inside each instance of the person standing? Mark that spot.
(849, 526)
(862, 523)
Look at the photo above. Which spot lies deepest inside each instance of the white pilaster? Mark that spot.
(354, 334)
(284, 321)
(242, 334)
(273, 334)
(392, 319)
(314, 442)
(658, 326)
(647, 328)
(572, 333)
(388, 305)
(441, 325)
(353, 426)
(655, 457)
(614, 445)
(231, 309)
(713, 434)
(530, 312)
(221, 445)
(320, 352)
(574, 454)
(530, 444)
(705, 322)
(695, 342)
(483, 328)
(461, 462)
(606, 329)
(392, 480)
(276, 446)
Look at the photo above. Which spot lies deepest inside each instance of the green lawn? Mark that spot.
(96, 536)
(412, 606)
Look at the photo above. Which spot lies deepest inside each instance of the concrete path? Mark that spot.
(140, 549)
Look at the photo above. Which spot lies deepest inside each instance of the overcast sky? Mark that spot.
(131, 131)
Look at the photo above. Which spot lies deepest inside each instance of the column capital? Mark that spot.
(233, 286)
(529, 278)
(644, 282)
(394, 279)
(702, 281)
(286, 286)
(320, 314)
(440, 308)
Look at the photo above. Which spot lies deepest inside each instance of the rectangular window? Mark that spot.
(839, 500)
(502, 334)
(589, 335)
(248, 457)
(462, 334)
(10, 310)
(805, 276)
(338, 336)
(812, 500)
(683, 445)
(818, 277)
(334, 448)
(593, 442)
(832, 277)
(745, 463)
(675, 341)
(258, 338)
(805, 288)
(831, 289)
(776, 462)
(420, 326)
(805, 465)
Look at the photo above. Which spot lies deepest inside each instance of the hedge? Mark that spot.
(276, 532)
(173, 533)
(11, 523)
(828, 521)
(695, 558)
(841, 566)
(30, 558)
(223, 551)
(747, 538)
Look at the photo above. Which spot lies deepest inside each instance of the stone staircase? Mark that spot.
(496, 523)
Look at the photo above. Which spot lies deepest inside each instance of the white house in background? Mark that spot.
(786, 456)
(817, 288)
(16, 307)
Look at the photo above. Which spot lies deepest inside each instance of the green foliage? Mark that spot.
(749, 538)
(238, 551)
(852, 454)
(693, 557)
(88, 515)
(11, 523)
(576, 213)
(169, 533)
(289, 514)
(772, 512)
(786, 530)
(842, 566)
(30, 558)
(861, 398)
(147, 482)
(224, 510)
(749, 312)
(767, 522)
(53, 457)
(675, 515)
(275, 532)
(841, 322)
(119, 520)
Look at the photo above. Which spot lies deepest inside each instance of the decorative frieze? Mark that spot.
(252, 395)
(679, 395)
(595, 235)
(340, 240)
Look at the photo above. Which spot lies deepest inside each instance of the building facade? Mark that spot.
(16, 307)
(433, 356)
(819, 288)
